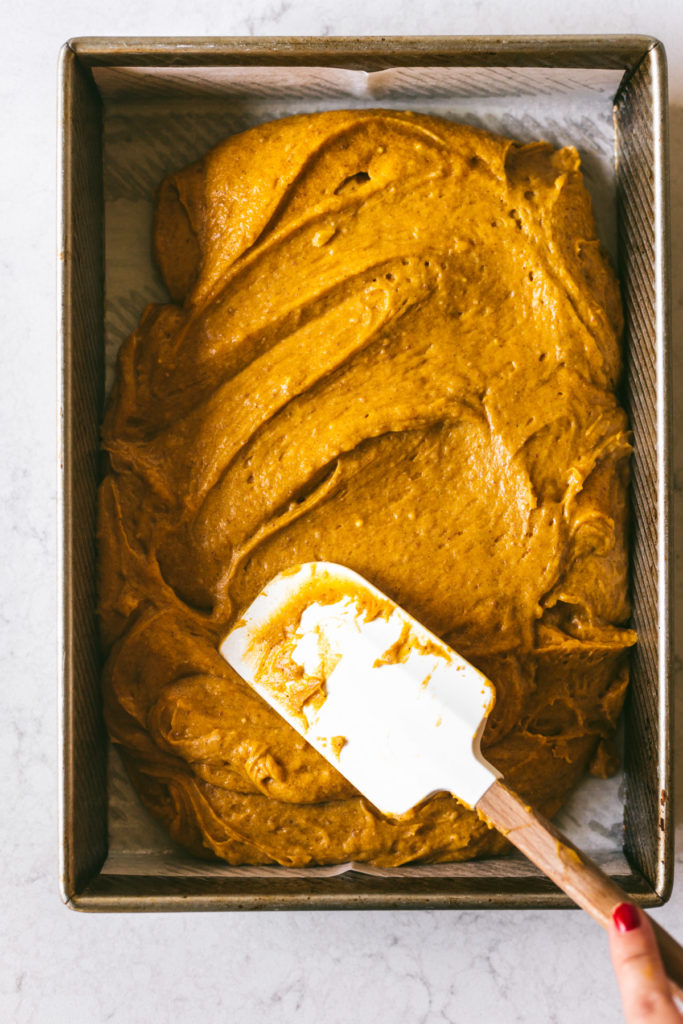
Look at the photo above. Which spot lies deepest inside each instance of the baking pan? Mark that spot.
(640, 132)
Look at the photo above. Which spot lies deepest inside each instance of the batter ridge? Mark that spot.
(393, 343)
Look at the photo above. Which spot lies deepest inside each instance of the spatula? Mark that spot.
(399, 714)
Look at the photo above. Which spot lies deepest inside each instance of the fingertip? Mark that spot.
(643, 985)
(633, 945)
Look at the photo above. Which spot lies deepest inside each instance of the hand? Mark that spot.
(645, 992)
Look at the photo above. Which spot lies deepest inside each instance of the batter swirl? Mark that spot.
(393, 344)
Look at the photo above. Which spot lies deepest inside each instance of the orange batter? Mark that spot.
(394, 344)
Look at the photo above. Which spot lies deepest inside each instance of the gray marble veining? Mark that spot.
(59, 967)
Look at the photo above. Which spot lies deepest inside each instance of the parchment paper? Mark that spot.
(156, 121)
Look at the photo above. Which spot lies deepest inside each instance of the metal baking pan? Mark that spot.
(640, 121)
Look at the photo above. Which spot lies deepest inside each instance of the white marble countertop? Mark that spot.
(400, 967)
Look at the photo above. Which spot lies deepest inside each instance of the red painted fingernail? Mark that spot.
(626, 917)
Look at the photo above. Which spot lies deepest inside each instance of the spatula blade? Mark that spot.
(392, 707)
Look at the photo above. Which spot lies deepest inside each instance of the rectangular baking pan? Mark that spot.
(640, 116)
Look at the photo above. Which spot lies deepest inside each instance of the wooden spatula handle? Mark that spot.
(568, 867)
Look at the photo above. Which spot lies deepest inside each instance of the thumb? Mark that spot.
(644, 988)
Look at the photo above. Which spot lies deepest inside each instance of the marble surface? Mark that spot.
(58, 966)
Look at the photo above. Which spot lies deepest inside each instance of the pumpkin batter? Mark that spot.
(394, 344)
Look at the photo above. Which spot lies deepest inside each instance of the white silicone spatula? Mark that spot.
(399, 714)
